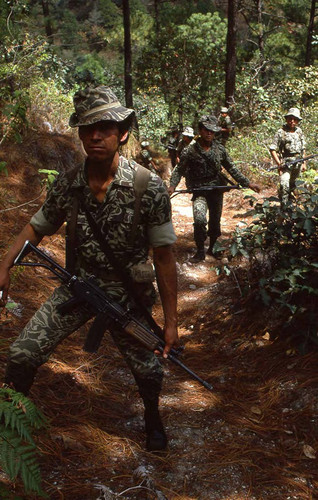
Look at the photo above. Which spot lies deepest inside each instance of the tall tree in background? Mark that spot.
(230, 63)
(308, 57)
(127, 52)
(47, 20)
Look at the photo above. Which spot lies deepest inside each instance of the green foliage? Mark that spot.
(18, 457)
(152, 114)
(50, 176)
(186, 63)
(282, 251)
(3, 167)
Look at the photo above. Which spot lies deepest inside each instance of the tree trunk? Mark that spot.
(47, 21)
(308, 57)
(230, 64)
(127, 52)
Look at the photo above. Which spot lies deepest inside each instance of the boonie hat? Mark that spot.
(210, 122)
(224, 110)
(188, 131)
(144, 144)
(294, 112)
(93, 105)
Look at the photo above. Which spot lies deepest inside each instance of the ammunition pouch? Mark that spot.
(143, 273)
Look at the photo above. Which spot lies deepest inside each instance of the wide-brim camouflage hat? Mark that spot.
(224, 110)
(294, 112)
(188, 131)
(210, 122)
(97, 104)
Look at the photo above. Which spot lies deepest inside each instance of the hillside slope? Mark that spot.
(254, 437)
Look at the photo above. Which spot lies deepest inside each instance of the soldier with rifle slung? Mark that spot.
(201, 166)
(288, 143)
(101, 243)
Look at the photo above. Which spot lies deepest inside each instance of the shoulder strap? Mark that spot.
(141, 180)
(70, 244)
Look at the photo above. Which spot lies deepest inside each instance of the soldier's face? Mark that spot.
(101, 140)
(206, 135)
(292, 122)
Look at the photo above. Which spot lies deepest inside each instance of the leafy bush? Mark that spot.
(281, 248)
(18, 416)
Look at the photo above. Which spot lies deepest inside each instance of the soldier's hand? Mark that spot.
(171, 339)
(255, 187)
(171, 190)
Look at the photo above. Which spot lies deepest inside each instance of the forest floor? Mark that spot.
(253, 437)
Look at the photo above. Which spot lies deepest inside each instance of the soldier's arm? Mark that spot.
(165, 266)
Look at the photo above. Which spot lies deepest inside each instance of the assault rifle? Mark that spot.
(288, 164)
(108, 312)
(204, 189)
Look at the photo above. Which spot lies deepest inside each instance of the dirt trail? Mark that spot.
(254, 437)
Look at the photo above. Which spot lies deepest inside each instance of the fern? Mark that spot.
(18, 452)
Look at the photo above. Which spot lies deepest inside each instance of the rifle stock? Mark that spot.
(108, 312)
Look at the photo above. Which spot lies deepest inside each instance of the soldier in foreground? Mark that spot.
(288, 143)
(201, 165)
(106, 186)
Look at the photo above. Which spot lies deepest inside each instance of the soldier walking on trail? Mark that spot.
(225, 123)
(172, 146)
(289, 142)
(186, 139)
(201, 165)
(146, 158)
(105, 183)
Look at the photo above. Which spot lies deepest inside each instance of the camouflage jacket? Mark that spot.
(202, 168)
(288, 144)
(114, 217)
(225, 122)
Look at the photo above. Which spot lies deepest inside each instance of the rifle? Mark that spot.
(204, 189)
(108, 312)
(287, 164)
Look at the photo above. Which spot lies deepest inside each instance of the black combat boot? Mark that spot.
(199, 255)
(149, 390)
(20, 377)
(211, 245)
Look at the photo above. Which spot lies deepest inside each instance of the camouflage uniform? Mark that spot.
(202, 168)
(225, 122)
(146, 160)
(172, 150)
(114, 216)
(288, 145)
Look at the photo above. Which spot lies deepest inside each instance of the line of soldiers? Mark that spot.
(104, 187)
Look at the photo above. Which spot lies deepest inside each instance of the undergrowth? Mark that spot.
(281, 248)
(18, 451)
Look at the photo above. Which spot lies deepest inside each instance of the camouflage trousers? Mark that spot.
(210, 204)
(288, 183)
(48, 328)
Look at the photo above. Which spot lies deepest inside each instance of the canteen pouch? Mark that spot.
(143, 273)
